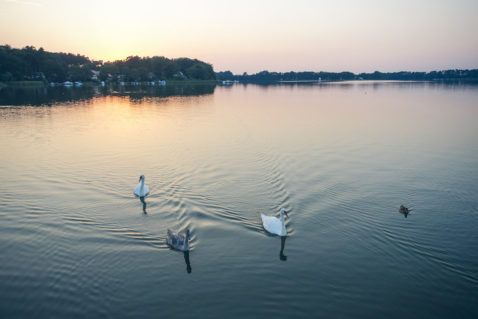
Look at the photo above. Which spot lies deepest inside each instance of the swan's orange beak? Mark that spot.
(286, 215)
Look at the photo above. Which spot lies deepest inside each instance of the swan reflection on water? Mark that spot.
(144, 205)
(282, 246)
(188, 263)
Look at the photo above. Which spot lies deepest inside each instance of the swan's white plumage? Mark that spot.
(141, 190)
(275, 225)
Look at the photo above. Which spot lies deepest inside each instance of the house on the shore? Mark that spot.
(39, 76)
(95, 75)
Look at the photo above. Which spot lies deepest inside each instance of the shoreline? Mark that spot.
(38, 84)
(42, 84)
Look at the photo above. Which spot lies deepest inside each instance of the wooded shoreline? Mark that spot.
(36, 67)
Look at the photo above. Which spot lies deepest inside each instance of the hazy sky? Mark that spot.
(250, 36)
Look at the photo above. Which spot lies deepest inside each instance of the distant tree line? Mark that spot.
(135, 68)
(30, 63)
(275, 77)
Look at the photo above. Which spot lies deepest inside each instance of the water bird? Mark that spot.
(404, 210)
(141, 190)
(179, 240)
(275, 225)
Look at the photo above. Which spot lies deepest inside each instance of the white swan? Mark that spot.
(179, 241)
(275, 225)
(141, 190)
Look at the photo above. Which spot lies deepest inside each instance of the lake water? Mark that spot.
(340, 158)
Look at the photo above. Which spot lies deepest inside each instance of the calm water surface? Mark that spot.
(75, 242)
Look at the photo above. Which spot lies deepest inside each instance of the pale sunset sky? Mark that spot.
(251, 36)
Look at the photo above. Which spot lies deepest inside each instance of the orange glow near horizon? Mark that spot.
(252, 36)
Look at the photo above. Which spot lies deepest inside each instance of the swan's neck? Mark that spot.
(186, 241)
(142, 184)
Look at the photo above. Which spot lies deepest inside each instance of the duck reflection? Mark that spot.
(188, 263)
(404, 210)
(144, 205)
(282, 246)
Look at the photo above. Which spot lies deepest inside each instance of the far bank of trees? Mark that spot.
(135, 68)
(31, 64)
(274, 77)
